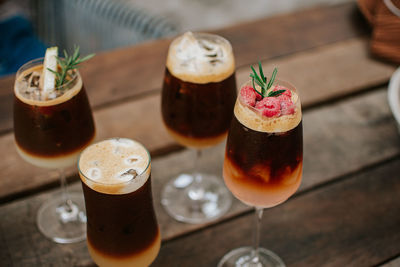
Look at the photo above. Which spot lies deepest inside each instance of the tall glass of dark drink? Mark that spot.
(263, 160)
(198, 96)
(50, 131)
(122, 228)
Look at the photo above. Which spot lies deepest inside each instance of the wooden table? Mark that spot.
(347, 211)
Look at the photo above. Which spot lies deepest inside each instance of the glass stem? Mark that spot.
(259, 213)
(195, 190)
(64, 190)
(196, 170)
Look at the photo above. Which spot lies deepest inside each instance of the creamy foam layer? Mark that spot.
(22, 85)
(196, 142)
(200, 58)
(115, 166)
(253, 119)
(49, 162)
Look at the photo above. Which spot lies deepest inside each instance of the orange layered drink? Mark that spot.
(264, 152)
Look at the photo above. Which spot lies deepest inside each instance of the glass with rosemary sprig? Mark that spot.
(264, 156)
(50, 130)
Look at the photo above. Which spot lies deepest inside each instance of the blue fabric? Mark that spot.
(18, 44)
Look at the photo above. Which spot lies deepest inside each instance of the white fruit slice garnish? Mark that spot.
(48, 79)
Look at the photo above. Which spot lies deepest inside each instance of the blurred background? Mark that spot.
(27, 27)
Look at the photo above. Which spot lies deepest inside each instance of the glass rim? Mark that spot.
(37, 61)
(119, 183)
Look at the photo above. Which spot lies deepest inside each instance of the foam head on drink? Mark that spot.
(51, 126)
(200, 58)
(263, 162)
(122, 229)
(199, 89)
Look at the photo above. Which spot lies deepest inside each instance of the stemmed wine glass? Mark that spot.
(198, 96)
(264, 155)
(50, 133)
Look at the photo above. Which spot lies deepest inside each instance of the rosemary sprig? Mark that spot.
(261, 80)
(68, 63)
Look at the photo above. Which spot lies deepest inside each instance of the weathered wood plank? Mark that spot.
(328, 72)
(6, 91)
(370, 137)
(22, 232)
(290, 33)
(141, 118)
(339, 139)
(350, 223)
(345, 137)
(128, 72)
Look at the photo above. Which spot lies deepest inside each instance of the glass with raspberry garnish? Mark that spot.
(198, 95)
(264, 156)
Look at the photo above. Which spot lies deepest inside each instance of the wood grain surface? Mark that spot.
(350, 71)
(125, 73)
(346, 212)
(306, 230)
(331, 156)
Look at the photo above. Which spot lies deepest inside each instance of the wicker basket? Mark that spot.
(97, 25)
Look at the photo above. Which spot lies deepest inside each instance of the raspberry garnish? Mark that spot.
(285, 100)
(249, 95)
(274, 106)
(269, 106)
(271, 102)
(287, 106)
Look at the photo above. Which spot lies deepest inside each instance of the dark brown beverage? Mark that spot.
(122, 228)
(116, 226)
(199, 89)
(263, 166)
(51, 133)
(198, 96)
(198, 111)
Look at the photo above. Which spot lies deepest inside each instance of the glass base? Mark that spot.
(196, 201)
(243, 257)
(63, 223)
